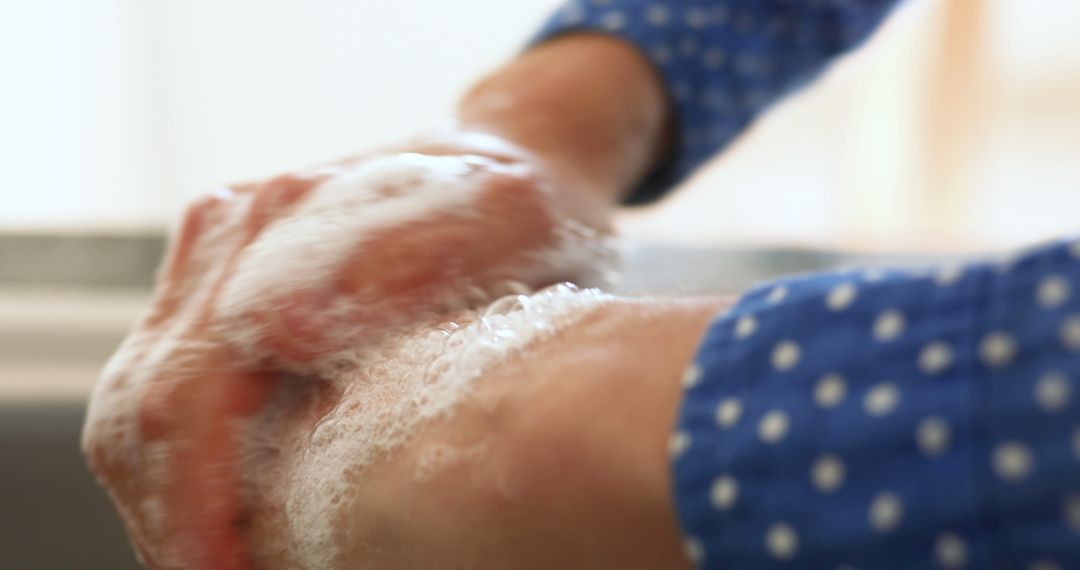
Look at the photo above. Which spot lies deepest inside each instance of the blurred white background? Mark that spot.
(116, 111)
(957, 128)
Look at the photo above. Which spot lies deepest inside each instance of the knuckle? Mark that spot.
(203, 208)
(276, 196)
(199, 214)
(516, 196)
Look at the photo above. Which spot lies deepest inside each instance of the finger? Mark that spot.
(275, 198)
(201, 419)
(398, 273)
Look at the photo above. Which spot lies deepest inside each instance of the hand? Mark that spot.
(163, 431)
(284, 273)
(443, 222)
(555, 457)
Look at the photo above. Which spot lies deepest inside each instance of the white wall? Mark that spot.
(256, 86)
(116, 111)
(74, 109)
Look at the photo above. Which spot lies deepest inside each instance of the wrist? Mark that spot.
(588, 105)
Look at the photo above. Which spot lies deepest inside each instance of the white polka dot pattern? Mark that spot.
(1070, 333)
(830, 391)
(948, 276)
(997, 349)
(841, 296)
(935, 358)
(882, 399)
(827, 473)
(724, 492)
(613, 21)
(657, 15)
(773, 426)
(894, 413)
(728, 412)
(1052, 392)
(876, 407)
(1071, 512)
(1052, 291)
(951, 551)
(889, 325)
(691, 376)
(745, 326)
(777, 295)
(694, 550)
(886, 511)
(932, 436)
(858, 384)
(781, 541)
(786, 355)
(1012, 461)
(677, 443)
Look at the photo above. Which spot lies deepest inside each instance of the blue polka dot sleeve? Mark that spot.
(889, 420)
(723, 61)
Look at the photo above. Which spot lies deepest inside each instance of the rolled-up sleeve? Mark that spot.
(889, 420)
(722, 61)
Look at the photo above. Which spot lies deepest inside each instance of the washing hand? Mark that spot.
(279, 275)
(360, 246)
(268, 281)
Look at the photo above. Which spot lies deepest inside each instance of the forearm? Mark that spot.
(588, 104)
(561, 454)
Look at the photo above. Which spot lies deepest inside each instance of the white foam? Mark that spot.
(392, 389)
(307, 250)
(394, 380)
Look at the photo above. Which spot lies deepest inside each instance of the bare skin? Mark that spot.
(578, 475)
(564, 458)
(606, 127)
(565, 155)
